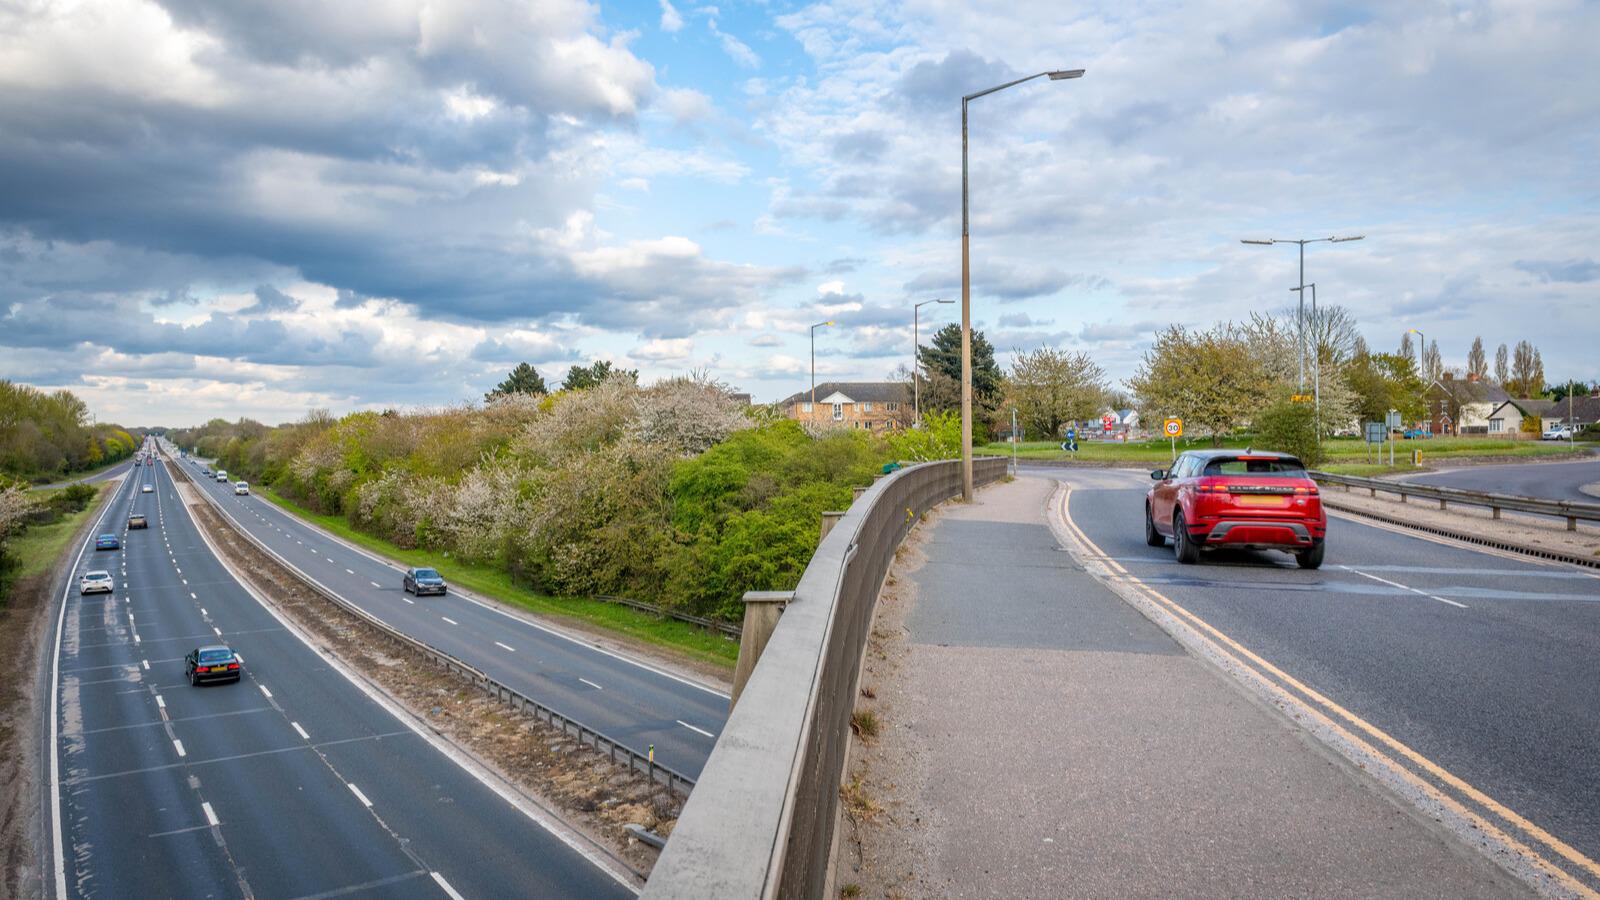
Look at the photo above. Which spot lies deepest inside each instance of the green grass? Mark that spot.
(490, 581)
(1339, 451)
(1369, 470)
(40, 546)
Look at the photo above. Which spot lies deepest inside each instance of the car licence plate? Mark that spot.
(1248, 500)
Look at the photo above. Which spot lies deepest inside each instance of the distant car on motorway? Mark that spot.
(1416, 434)
(222, 475)
(137, 520)
(147, 489)
(95, 581)
(423, 581)
(107, 542)
(1254, 500)
(241, 488)
(214, 663)
(1557, 433)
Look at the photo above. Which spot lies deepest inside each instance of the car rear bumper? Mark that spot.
(96, 589)
(423, 589)
(1260, 533)
(203, 677)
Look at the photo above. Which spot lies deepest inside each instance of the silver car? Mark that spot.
(95, 581)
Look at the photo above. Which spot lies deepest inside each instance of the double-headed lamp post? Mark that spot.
(966, 279)
(916, 364)
(1300, 322)
(1422, 355)
(814, 363)
(1316, 359)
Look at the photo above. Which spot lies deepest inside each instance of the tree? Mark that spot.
(1210, 378)
(1052, 387)
(943, 357)
(1384, 381)
(524, 379)
(1536, 386)
(1289, 428)
(1406, 349)
(1477, 365)
(1502, 369)
(581, 377)
(1359, 347)
(1432, 363)
(1525, 371)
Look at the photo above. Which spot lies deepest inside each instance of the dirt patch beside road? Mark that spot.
(579, 785)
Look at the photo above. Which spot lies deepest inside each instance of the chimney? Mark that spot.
(1472, 377)
(1448, 376)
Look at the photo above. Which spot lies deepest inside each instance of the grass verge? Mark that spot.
(1368, 470)
(681, 637)
(40, 545)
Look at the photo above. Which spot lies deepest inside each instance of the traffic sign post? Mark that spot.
(1109, 422)
(1173, 427)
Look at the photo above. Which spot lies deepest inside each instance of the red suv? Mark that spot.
(1255, 500)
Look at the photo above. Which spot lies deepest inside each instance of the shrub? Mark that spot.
(1290, 428)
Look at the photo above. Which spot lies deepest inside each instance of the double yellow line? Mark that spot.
(1448, 791)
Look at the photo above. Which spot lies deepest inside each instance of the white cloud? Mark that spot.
(671, 21)
(664, 350)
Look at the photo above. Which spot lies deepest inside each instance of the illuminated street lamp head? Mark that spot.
(1412, 331)
(1068, 73)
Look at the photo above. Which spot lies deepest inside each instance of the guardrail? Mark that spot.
(761, 821)
(673, 780)
(727, 628)
(1570, 510)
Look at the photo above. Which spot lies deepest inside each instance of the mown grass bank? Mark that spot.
(489, 581)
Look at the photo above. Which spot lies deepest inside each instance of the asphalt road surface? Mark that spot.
(634, 703)
(1485, 664)
(291, 783)
(1550, 481)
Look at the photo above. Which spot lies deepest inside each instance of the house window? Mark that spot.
(893, 407)
(805, 407)
(866, 406)
(838, 412)
(1497, 425)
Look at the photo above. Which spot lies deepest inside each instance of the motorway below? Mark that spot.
(637, 704)
(1549, 481)
(1483, 663)
(293, 783)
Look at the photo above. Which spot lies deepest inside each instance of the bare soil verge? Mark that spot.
(593, 795)
(1543, 532)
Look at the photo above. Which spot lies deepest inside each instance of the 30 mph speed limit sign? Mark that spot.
(1174, 428)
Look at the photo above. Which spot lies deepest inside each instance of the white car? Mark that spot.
(1558, 433)
(95, 581)
(241, 489)
(221, 475)
(147, 489)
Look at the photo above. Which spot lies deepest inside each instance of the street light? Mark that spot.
(1421, 353)
(966, 279)
(814, 364)
(1316, 362)
(1300, 320)
(916, 364)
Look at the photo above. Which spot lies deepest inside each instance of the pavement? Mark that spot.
(639, 704)
(1549, 481)
(294, 782)
(1041, 737)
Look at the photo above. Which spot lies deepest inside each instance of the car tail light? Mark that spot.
(1311, 491)
(233, 665)
(202, 668)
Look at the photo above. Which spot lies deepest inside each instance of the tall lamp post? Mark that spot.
(814, 363)
(966, 279)
(916, 364)
(1300, 325)
(1316, 361)
(1422, 351)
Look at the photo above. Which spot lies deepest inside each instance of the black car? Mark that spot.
(423, 581)
(213, 663)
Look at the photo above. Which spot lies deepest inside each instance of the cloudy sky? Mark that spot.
(257, 207)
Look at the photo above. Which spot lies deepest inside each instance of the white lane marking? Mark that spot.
(145, 663)
(350, 571)
(445, 886)
(136, 639)
(192, 596)
(300, 731)
(265, 691)
(1402, 587)
(178, 745)
(180, 571)
(211, 815)
(505, 647)
(161, 702)
(696, 730)
(591, 684)
(217, 630)
(376, 585)
(203, 611)
(409, 600)
(450, 620)
(186, 584)
(360, 796)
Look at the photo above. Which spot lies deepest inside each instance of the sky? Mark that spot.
(257, 208)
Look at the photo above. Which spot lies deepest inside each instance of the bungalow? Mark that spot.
(1507, 418)
(873, 405)
(1462, 405)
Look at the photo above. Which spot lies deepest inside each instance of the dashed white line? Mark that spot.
(265, 691)
(192, 596)
(136, 639)
(145, 663)
(360, 796)
(696, 730)
(445, 886)
(450, 620)
(203, 611)
(505, 647)
(178, 745)
(375, 584)
(1404, 587)
(409, 600)
(591, 684)
(211, 815)
(217, 630)
(351, 571)
(300, 731)
(159, 701)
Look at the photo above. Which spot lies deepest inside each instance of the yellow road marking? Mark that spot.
(1561, 847)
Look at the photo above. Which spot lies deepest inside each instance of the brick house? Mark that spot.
(872, 405)
(1462, 405)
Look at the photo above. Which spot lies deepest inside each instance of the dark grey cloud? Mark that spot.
(940, 85)
(860, 146)
(1006, 282)
(269, 300)
(1571, 271)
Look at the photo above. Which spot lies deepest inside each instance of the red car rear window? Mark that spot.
(1257, 467)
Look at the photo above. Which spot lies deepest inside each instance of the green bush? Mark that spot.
(1289, 427)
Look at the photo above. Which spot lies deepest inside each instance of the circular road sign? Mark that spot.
(1174, 428)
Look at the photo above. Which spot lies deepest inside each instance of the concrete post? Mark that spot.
(856, 492)
(761, 612)
(829, 519)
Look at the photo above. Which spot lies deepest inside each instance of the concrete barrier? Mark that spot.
(761, 819)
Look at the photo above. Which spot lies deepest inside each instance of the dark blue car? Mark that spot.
(106, 542)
